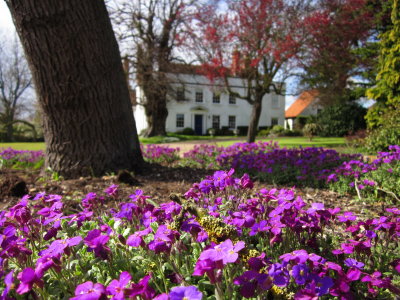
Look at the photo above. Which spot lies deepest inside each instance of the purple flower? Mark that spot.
(112, 190)
(393, 210)
(163, 240)
(219, 179)
(301, 256)
(259, 227)
(226, 251)
(206, 186)
(185, 293)
(136, 239)
(9, 281)
(347, 216)
(141, 288)
(300, 273)
(59, 246)
(90, 291)
(116, 288)
(96, 242)
(323, 285)
(279, 274)
(350, 262)
(28, 278)
(46, 262)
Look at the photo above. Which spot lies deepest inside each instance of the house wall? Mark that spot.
(311, 110)
(189, 107)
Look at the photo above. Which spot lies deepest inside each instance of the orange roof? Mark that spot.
(301, 103)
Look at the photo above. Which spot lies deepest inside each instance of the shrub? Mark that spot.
(380, 138)
(340, 119)
(277, 129)
(310, 130)
(263, 132)
(188, 131)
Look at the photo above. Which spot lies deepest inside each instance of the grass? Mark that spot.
(24, 146)
(181, 137)
(290, 142)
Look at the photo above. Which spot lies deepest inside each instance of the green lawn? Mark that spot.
(334, 142)
(23, 146)
(328, 142)
(181, 137)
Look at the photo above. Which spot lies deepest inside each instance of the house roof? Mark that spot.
(301, 103)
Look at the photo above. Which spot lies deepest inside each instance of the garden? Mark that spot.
(245, 221)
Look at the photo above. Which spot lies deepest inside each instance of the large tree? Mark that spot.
(339, 48)
(80, 84)
(15, 80)
(256, 40)
(148, 31)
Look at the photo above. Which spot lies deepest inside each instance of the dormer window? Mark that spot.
(232, 99)
(216, 98)
(180, 94)
(199, 96)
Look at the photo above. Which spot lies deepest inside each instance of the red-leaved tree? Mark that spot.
(256, 40)
(338, 31)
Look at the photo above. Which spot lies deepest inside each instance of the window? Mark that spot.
(215, 122)
(180, 94)
(319, 110)
(232, 99)
(232, 122)
(216, 98)
(274, 121)
(180, 120)
(275, 101)
(199, 96)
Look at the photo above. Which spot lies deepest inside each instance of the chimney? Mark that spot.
(235, 66)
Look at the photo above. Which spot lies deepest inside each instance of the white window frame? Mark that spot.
(178, 120)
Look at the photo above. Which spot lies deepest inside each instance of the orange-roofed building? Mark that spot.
(305, 105)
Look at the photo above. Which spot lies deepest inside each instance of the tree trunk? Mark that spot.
(9, 132)
(74, 58)
(156, 114)
(255, 117)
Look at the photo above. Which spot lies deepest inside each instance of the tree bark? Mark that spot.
(74, 58)
(254, 119)
(156, 114)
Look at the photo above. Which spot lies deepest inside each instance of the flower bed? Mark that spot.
(379, 179)
(159, 154)
(202, 156)
(221, 239)
(21, 158)
(297, 166)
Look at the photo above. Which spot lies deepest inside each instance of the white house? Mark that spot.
(200, 105)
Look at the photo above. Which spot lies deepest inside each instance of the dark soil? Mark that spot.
(156, 181)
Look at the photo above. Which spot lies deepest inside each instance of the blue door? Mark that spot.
(198, 124)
